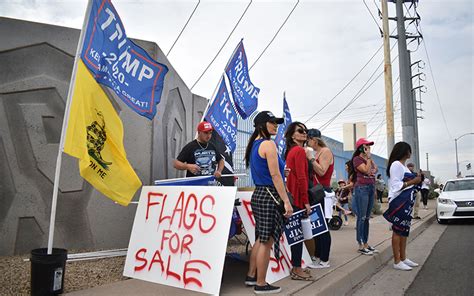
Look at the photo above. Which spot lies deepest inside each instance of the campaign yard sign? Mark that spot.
(179, 236)
(293, 228)
(117, 62)
(278, 268)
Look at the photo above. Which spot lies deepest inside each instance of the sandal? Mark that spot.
(297, 277)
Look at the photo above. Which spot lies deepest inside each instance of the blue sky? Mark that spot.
(319, 50)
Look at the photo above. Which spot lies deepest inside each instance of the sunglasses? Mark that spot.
(302, 131)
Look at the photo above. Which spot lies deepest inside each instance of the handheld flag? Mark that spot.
(280, 136)
(95, 136)
(120, 64)
(244, 93)
(222, 116)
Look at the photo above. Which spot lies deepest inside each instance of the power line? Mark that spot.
(373, 17)
(360, 92)
(185, 25)
(278, 31)
(220, 49)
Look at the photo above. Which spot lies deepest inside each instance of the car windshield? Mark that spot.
(459, 185)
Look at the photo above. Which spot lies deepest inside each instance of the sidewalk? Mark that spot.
(348, 268)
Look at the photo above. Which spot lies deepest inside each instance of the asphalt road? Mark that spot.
(449, 270)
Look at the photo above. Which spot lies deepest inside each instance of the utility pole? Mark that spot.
(406, 98)
(416, 146)
(388, 79)
(427, 163)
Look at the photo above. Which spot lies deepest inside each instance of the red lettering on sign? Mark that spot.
(187, 280)
(178, 208)
(161, 212)
(138, 258)
(187, 240)
(157, 258)
(149, 204)
(164, 237)
(171, 273)
(248, 209)
(191, 197)
(204, 214)
(174, 238)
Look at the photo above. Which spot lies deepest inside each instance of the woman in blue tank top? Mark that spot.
(267, 169)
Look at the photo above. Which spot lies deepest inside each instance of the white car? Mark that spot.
(456, 201)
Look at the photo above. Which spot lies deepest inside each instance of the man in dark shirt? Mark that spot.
(199, 157)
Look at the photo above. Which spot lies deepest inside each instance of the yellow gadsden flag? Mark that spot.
(95, 136)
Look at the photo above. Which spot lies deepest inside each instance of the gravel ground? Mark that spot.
(79, 275)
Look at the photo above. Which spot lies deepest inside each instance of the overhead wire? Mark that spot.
(274, 36)
(184, 27)
(361, 91)
(223, 45)
(373, 17)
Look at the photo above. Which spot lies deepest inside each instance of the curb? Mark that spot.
(344, 278)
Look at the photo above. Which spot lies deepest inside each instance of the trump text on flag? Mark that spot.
(222, 116)
(179, 236)
(119, 63)
(245, 94)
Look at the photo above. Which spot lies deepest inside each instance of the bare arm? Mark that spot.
(179, 165)
(325, 160)
(220, 167)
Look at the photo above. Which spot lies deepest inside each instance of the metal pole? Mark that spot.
(388, 79)
(408, 133)
(427, 163)
(457, 162)
(415, 147)
(57, 173)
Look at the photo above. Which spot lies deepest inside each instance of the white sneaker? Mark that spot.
(315, 260)
(323, 264)
(410, 263)
(402, 266)
(346, 223)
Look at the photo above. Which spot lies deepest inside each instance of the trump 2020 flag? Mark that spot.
(222, 116)
(280, 136)
(120, 64)
(94, 135)
(245, 94)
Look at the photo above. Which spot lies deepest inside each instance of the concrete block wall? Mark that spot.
(35, 67)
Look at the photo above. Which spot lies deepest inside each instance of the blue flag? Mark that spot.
(280, 136)
(222, 116)
(117, 62)
(245, 94)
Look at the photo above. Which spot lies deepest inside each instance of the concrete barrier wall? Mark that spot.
(35, 67)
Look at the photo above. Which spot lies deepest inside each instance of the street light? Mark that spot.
(456, 146)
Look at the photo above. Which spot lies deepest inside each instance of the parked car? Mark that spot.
(456, 200)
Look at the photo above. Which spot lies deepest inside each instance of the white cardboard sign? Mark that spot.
(179, 236)
(277, 269)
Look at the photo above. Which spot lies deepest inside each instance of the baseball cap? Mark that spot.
(266, 116)
(363, 141)
(411, 165)
(204, 127)
(314, 133)
(341, 181)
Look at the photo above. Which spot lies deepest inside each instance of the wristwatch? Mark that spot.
(312, 160)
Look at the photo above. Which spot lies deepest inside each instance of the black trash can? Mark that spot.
(47, 271)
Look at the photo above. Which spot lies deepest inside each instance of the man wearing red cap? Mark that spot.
(199, 157)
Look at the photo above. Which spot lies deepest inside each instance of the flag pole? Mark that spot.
(64, 128)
